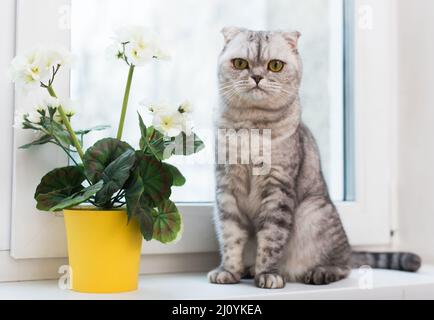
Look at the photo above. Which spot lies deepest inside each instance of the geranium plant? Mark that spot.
(110, 174)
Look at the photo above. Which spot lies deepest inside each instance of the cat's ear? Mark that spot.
(230, 33)
(292, 38)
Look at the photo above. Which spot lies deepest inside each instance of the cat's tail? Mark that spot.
(402, 261)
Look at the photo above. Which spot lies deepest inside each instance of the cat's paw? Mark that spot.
(324, 275)
(221, 276)
(269, 281)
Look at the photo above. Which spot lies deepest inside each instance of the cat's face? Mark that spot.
(258, 68)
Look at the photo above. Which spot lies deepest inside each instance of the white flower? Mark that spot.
(68, 112)
(19, 119)
(170, 125)
(186, 107)
(127, 34)
(116, 51)
(67, 106)
(139, 54)
(48, 102)
(159, 108)
(171, 120)
(161, 54)
(58, 56)
(40, 108)
(51, 102)
(30, 69)
(36, 66)
(21, 116)
(139, 43)
(34, 117)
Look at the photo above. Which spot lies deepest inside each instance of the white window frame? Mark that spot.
(7, 34)
(368, 220)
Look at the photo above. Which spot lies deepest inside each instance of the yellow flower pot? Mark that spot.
(103, 249)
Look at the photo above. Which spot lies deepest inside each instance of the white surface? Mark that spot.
(37, 269)
(386, 285)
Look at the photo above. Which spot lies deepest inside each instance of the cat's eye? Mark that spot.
(240, 64)
(276, 65)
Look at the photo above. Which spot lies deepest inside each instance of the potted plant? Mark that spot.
(111, 195)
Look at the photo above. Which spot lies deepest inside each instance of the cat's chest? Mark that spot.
(249, 198)
(249, 188)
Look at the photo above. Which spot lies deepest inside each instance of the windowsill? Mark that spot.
(386, 285)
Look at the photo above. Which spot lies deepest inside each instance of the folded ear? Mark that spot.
(292, 38)
(229, 33)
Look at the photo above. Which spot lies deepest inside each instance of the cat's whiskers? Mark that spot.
(230, 84)
(226, 87)
(229, 94)
(229, 91)
(229, 98)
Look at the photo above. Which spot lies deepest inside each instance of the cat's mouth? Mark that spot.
(257, 88)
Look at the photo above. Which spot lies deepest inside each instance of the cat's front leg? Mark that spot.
(233, 236)
(273, 230)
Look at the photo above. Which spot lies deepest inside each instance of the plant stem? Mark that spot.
(118, 197)
(119, 205)
(67, 124)
(125, 103)
(57, 143)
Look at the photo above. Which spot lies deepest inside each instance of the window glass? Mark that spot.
(191, 30)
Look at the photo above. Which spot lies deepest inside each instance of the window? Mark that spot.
(6, 97)
(97, 83)
(354, 139)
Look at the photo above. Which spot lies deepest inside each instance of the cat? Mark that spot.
(286, 213)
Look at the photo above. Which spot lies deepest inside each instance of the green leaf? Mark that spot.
(58, 185)
(42, 140)
(114, 176)
(52, 132)
(88, 130)
(185, 145)
(156, 144)
(100, 155)
(143, 131)
(59, 132)
(78, 197)
(138, 206)
(156, 179)
(151, 140)
(178, 178)
(167, 222)
(146, 222)
(28, 125)
(133, 194)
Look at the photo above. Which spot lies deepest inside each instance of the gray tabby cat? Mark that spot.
(296, 231)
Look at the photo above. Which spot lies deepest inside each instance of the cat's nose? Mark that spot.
(257, 78)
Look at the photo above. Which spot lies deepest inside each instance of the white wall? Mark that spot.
(7, 49)
(416, 126)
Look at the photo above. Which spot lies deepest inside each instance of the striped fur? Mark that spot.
(402, 261)
(281, 225)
